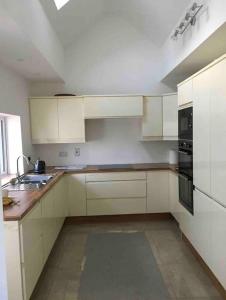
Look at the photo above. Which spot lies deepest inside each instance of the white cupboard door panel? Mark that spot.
(44, 120)
(32, 267)
(158, 192)
(201, 131)
(76, 195)
(203, 216)
(185, 93)
(49, 222)
(116, 189)
(116, 206)
(152, 119)
(71, 120)
(113, 107)
(218, 132)
(116, 176)
(170, 116)
(60, 203)
(30, 230)
(218, 263)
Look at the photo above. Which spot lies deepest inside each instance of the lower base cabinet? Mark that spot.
(76, 195)
(30, 241)
(158, 192)
(123, 206)
(210, 234)
(174, 196)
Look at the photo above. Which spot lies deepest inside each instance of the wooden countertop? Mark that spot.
(26, 200)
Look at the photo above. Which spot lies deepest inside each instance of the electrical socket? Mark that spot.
(63, 154)
(77, 151)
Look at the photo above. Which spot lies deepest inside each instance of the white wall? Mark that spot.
(31, 18)
(14, 100)
(212, 16)
(113, 57)
(109, 141)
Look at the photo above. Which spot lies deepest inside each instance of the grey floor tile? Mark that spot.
(183, 276)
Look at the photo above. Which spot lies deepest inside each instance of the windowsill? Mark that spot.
(6, 178)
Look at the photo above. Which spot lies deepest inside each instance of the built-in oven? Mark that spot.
(185, 159)
(185, 121)
(186, 192)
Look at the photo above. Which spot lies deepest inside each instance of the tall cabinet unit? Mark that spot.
(201, 131)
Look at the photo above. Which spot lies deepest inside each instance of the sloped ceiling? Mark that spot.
(155, 18)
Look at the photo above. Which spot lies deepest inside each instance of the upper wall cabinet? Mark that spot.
(160, 121)
(152, 127)
(170, 117)
(100, 107)
(57, 120)
(185, 92)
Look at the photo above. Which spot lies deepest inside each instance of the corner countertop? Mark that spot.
(26, 200)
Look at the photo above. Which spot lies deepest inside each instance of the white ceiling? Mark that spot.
(155, 18)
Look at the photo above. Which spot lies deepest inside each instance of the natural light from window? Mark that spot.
(60, 3)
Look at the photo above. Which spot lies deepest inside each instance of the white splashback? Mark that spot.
(108, 141)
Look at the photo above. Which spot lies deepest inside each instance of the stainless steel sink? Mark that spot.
(30, 182)
(35, 178)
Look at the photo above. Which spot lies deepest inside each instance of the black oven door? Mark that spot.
(185, 121)
(185, 161)
(186, 192)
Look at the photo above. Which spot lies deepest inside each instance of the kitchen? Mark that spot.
(120, 126)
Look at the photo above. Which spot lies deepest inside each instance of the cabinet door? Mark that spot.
(158, 192)
(185, 93)
(113, 107)
(76, 195)
(201, 131)
(170, 116)
(218, 243)
(174, 195)
(71, 120)
(60, 203)
(32, 254)
(49, 222)
(152, 119)
(218, 132)
(203, 216)
(44, 120)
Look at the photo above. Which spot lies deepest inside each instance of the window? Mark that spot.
(3, 147)
(60, 3)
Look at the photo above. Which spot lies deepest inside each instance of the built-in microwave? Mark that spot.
(185, 121)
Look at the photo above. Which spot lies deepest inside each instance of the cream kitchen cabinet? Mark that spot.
(174, 195)
(71, 120)
(57, 120)
(158, 192)
(76, 195)
(185, 92)
(218, 131)
(170, 117)
(44, 120)
(29, 242)
(152, 122)
(116, 193)
(99, 107)
(201, 131)
(210, 130)
(210, 234)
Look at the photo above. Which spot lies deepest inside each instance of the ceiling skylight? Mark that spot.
(60, 3)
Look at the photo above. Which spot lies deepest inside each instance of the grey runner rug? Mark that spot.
(121, 266)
